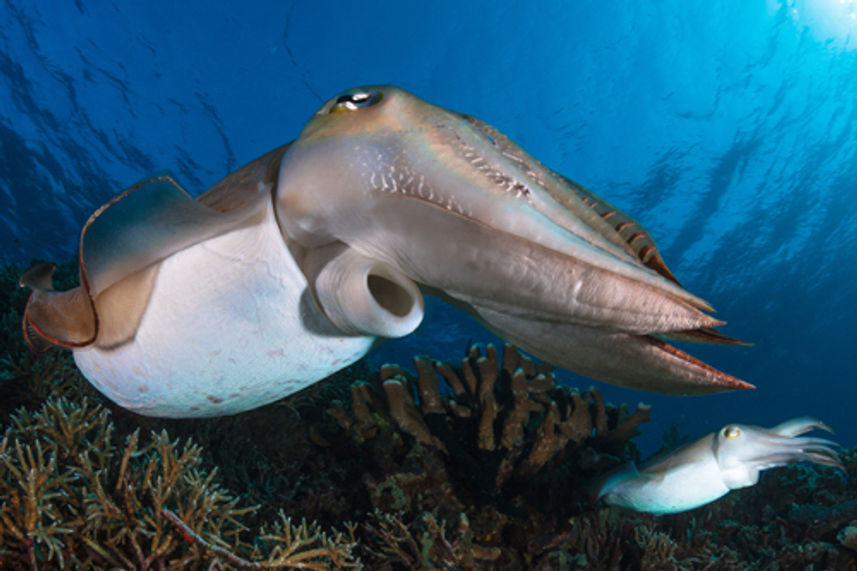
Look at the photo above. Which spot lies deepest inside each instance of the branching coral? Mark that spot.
(658, 548)
(290, 546)
(424, 543)
(507, 409)
(71, 497)
(495, 437)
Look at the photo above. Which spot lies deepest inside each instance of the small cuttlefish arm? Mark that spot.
(703, 471)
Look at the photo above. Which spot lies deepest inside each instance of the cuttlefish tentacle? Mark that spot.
(709, 468)
(295, 265)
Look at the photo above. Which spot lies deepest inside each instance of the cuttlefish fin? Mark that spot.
(64, 318)
(120, 307)
(147, 223)
(628, 471)
(239, 189)
(120, 247)
(661, 463)
(361, 295)
(71, 319)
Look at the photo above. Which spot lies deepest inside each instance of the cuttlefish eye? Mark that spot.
(356, 100)
(731, 432)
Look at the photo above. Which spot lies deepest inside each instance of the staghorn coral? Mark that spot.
(602, 538)
(658, 548)
(283, 456)
(71, 497)
(423, 543)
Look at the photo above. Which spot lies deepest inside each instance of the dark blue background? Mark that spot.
(728, 128)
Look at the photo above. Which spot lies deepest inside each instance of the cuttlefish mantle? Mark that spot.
(294, 266)
(708, 469)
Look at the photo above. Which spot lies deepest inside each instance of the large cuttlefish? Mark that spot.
(709, 468)
(294, 266)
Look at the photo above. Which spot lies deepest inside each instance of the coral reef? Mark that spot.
(487, 463)
(503, 419)
(423, 544)
(494, 438)
(72, 497)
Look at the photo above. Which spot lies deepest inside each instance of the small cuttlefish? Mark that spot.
(703, 471)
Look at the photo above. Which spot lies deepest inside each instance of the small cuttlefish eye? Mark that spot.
(731, 432)
(356, 100)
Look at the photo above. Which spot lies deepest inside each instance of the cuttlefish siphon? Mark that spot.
(294, 266)
(701, 472)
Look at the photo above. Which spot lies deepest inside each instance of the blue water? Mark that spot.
(728, 128)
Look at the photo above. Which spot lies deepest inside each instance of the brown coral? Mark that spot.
(506, 405)
(477, 438)
(71, 496)
(424, 542)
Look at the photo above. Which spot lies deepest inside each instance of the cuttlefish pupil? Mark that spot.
(295, 265)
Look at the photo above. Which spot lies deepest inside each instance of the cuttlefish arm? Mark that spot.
(614, 225)
(465, 212)
(701, 472)
(642, 362)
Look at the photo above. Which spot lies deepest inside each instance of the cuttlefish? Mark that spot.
(297, 264)
(708, 469)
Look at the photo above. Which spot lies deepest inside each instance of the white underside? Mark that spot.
(224, 332)
(681, 488)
